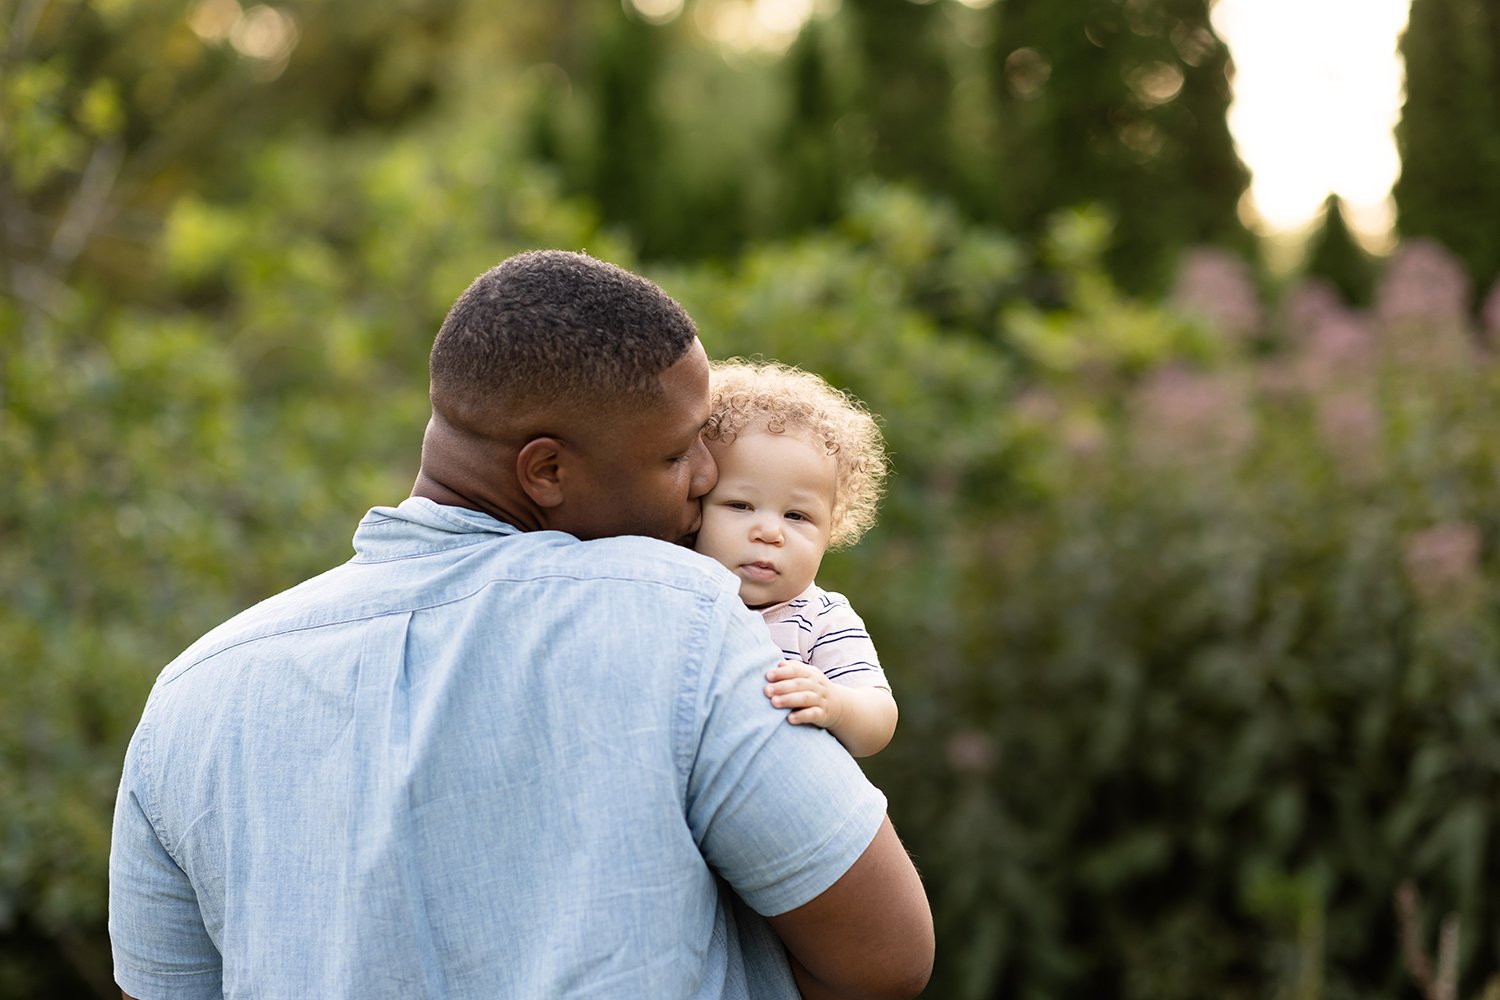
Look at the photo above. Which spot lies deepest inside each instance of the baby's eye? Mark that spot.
(796, 515)
(736, 505)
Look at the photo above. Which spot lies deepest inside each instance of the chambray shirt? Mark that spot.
(477, 762)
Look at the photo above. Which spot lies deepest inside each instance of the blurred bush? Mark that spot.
(1203, 662)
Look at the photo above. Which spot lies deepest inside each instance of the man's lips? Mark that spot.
(758, 571)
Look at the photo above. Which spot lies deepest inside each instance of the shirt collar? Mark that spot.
(420, 525)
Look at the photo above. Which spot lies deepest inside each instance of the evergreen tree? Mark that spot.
(628, 130)
(1206, 172)
(814, 168)
(907, 89)
(1121, 105)
(1449, 133)
(1337, 257)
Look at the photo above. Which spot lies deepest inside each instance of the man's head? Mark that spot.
(569, 394)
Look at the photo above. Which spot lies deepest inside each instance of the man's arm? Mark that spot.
(869, 935)
(787, 818)
(156, 931)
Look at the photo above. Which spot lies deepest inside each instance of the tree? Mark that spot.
(1337, 257)
(814, 170)
(628, 130)
(906, 89)
(1123, 105)
(1449, 132)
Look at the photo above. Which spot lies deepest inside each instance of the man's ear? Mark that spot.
(539, 468)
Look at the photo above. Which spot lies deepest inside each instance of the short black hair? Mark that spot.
(551, 325)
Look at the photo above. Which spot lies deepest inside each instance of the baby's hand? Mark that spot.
(806, 691)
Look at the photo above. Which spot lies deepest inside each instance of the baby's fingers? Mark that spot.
(788, 670)
(797, 698)
(788, 687)
(814, 716)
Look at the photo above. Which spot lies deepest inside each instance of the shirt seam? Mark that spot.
(797, 879)
(687, 699)
(415, 608)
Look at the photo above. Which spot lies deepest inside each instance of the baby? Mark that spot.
(801, 466)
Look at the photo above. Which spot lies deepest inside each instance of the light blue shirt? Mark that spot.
(477, 762)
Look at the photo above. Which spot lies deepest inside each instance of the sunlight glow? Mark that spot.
(265, 35)
(213, 20)
(657, 11)
(1317, 92)
(759, 25)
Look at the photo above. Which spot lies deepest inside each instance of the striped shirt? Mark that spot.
(819, 628)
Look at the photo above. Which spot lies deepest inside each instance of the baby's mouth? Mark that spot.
(759, 571)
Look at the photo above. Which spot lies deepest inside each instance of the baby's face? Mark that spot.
(771, 515)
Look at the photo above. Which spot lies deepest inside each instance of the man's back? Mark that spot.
(475, 762)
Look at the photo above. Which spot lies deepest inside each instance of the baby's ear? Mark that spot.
(539, 468)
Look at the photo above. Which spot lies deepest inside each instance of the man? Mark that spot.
(517, 746)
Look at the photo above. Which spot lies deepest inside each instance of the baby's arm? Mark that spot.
(863, 718)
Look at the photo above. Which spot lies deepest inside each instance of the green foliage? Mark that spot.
(906, 88)
(1336, 257)
(1449, 133)
(1230, 682)
(1120, 104)
(1014, 112)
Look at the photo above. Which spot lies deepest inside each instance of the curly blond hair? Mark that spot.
(775, 397)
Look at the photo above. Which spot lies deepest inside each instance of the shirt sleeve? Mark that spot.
(161, 948)
(842, 648)
(780, 811)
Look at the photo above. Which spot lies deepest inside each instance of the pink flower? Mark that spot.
(1279, 380)
(1329, 342)
(1036, 408)
(1350, 425)
(1307, 305)
(1340, 348)
(1193, 416)
(1443, 558)
(1422, 282)
(970, 750)
(1217, 286)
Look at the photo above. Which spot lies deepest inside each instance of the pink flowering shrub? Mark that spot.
(1423, 303)
(1229, 672)
(1339, 348)
(1443, 560)
(1217, 286)
(1423, 283)
(1351, 430)
(1179, 415)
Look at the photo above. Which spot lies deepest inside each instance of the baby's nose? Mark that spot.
(767, 529)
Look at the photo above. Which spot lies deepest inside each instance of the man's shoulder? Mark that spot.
(650, 560)
(634, 571)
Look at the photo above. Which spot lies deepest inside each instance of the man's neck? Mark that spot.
(430, 488)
